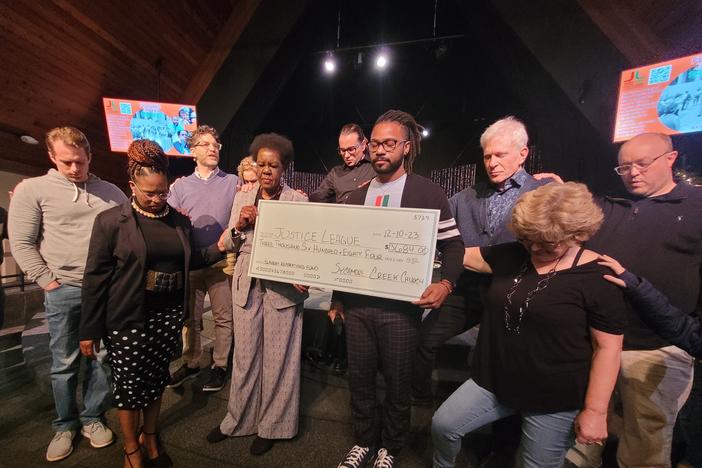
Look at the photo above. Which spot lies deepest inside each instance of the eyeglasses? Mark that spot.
(350, 149)
(544, 245)
(161, 195)
(388, 145)
(625, 169)
(216, 146)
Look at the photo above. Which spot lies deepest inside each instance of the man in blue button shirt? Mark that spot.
(482, 215)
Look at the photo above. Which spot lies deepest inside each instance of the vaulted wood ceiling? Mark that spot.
(60, 57)
(648, 31)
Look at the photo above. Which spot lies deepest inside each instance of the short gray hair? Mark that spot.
(510, 127)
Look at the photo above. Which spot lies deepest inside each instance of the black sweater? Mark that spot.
(659, 238)
(682, 330)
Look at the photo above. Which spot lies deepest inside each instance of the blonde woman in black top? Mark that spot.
(550, 339)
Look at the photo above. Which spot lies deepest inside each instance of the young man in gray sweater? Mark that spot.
(50, 220)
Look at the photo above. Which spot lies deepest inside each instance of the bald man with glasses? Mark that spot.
(657, 234)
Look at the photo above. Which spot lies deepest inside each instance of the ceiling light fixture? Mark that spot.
(381, 61)
(329, 64)
(30, 140)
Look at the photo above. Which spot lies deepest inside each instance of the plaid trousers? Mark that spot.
(381, 335)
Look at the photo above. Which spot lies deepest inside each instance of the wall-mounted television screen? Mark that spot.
(167, 124)
(665, 97)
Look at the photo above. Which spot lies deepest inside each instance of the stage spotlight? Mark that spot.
(425, 132)
(381, 61)
(329, 64)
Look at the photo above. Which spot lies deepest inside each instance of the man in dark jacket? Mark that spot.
(384, 330)
(354, 173)
(482, 215)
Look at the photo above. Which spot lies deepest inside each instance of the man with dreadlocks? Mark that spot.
(50, 222)
(384, 330)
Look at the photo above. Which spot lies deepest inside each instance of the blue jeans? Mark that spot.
(62, 307)
(545, 437)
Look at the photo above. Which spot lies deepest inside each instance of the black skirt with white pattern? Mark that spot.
(140, 358)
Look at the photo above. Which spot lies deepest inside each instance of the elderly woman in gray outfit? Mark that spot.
(265, 391)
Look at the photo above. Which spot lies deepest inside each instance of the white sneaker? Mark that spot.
(60, 446)
(98, 434)
(384, 459)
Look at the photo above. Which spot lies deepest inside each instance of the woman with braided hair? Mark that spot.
(134, 296)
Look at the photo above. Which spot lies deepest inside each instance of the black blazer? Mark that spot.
(115, 272)
(420, 192)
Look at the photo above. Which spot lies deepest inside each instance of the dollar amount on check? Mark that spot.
(376, 251)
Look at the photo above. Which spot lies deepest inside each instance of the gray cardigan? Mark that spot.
(281, 295)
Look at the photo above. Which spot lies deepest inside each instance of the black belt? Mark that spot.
(158, 281)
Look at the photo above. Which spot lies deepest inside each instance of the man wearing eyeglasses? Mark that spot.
(657, 234)
(206, 197)
(383, 333)
(355, 172)
(51, 219)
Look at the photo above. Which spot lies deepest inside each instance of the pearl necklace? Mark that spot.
(147, 214)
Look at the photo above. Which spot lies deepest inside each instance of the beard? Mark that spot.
(389, 167)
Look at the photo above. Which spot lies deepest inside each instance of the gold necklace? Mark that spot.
(138, 209)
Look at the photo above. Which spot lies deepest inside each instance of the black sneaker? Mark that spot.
(384, 459)
(181, 375)
(357, 457)
(218, 375)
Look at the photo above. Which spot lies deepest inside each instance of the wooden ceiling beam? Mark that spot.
(21, 168)
(241, 14)
(91, 24)
(635, 39)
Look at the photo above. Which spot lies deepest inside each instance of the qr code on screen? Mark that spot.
(660, 74)
(125, 108)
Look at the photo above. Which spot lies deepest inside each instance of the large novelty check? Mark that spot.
(385, 252)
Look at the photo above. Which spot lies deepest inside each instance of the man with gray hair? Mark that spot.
(482, 215)
(47, 215)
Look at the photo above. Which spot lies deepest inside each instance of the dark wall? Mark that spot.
(454, 87)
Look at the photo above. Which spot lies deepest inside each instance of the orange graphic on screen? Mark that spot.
(665, 97)
(167, 124)
(634, 78)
